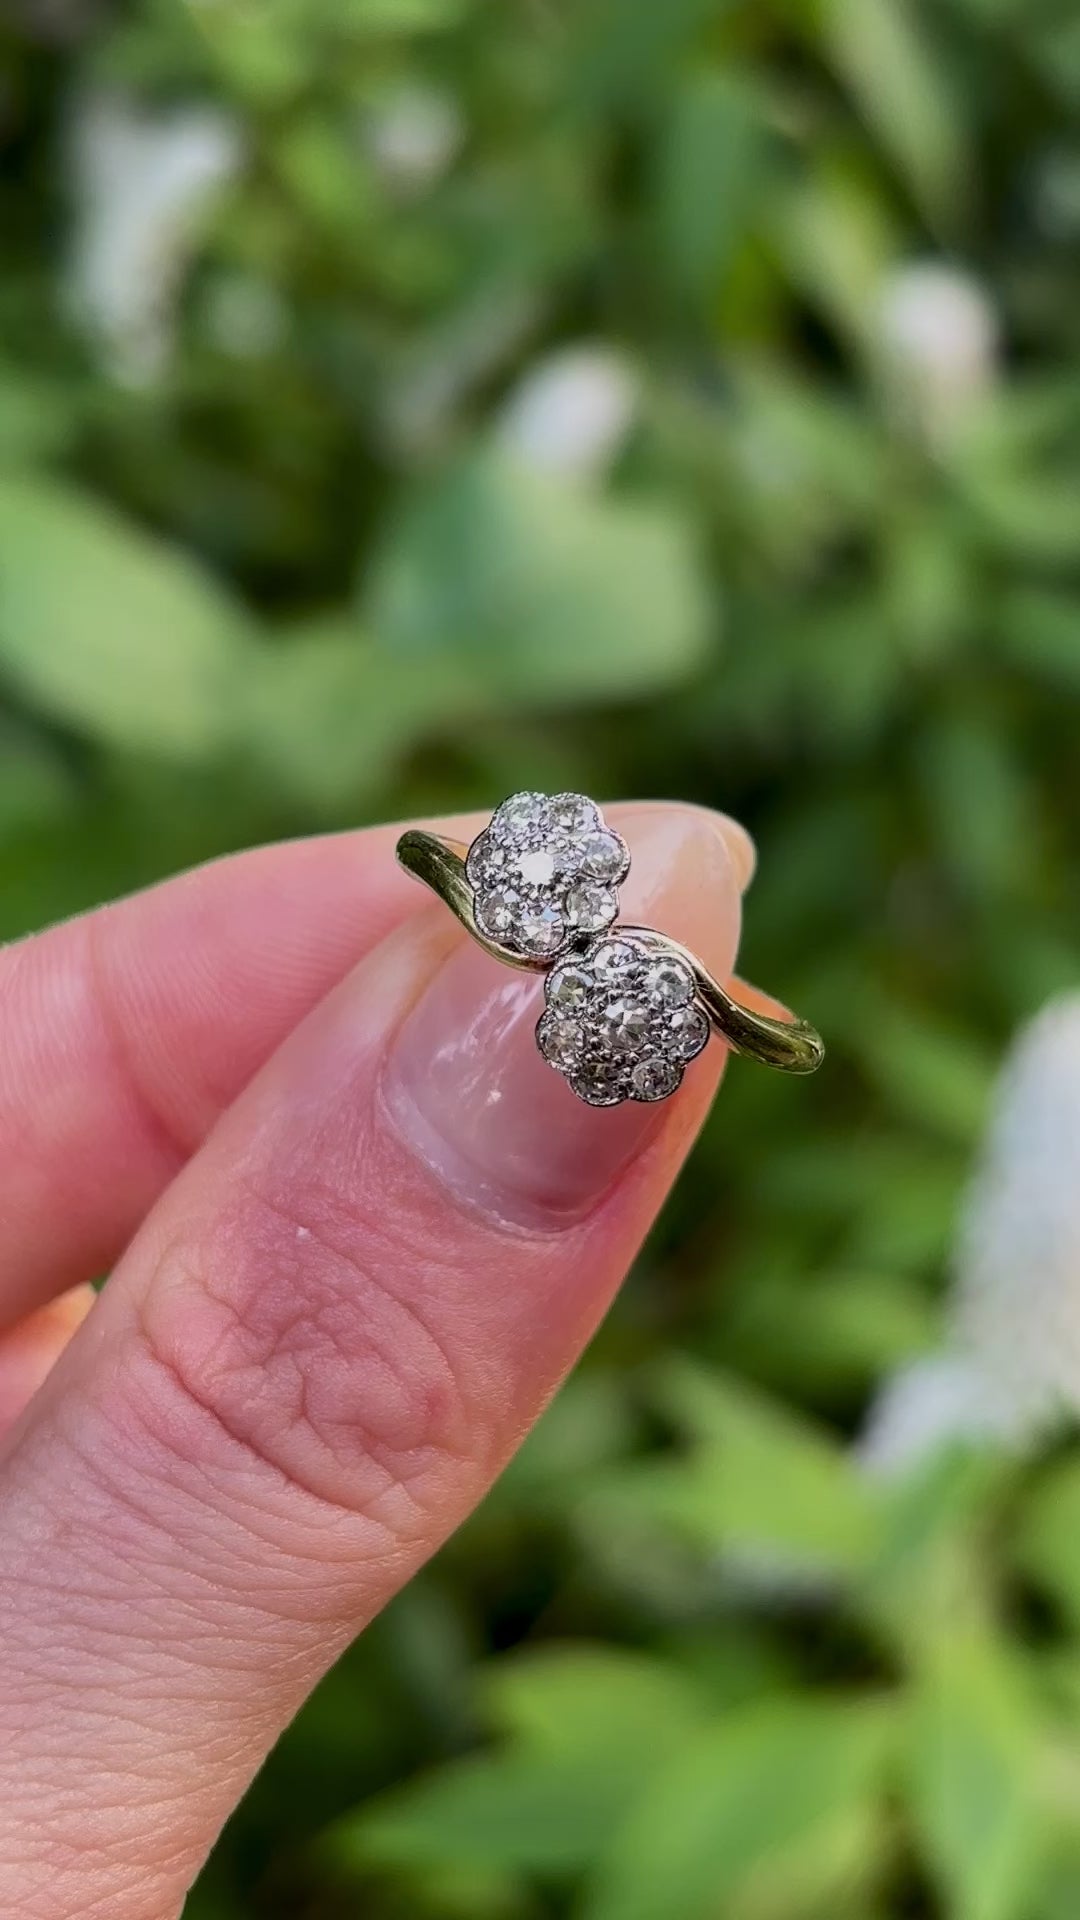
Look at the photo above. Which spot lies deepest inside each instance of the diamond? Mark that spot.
(498, 911)
(669, 984)
(573, 813)
(599, 1082)
(625, 1024)
(535, 868)
(568, 988)
(613, 957)
(588, 907)
(560, 1041)
(687, 1032)
(654, 1078)
(486, 863)
(604, 857)
(540, 928)
(519, 816)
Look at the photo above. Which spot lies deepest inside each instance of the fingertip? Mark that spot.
(732, 835)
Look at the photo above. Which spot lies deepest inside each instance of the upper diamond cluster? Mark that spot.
(621, 1021)
(546, 872)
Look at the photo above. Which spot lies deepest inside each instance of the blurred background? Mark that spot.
(405, 401)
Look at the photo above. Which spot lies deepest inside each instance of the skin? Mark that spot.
(358, 1233)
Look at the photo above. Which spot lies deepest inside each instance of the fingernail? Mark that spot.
(471, 1094)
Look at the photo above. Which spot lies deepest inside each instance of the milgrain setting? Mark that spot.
(545, 872)
(621, 1021)
(626, 1008)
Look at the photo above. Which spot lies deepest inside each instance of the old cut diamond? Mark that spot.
(568, 988)
(603, 856)
(498, 911)
(540, 928)
(625, 1024)
(688, 1032)
(487, 862)
(613, 957)
(598, 1082)
(669, 984)
(536, 868)
(561, 1041)
(654, 1078)
(573, 813)
(588, 908)
(519, 816)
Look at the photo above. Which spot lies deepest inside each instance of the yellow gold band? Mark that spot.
(791, 1045)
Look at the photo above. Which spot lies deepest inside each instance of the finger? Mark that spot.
(30, 1349)
(326, 1340)
(125, 1033)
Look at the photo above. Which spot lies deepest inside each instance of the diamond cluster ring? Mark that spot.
(626, 1008)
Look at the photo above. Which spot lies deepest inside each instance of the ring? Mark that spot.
(626, 1008)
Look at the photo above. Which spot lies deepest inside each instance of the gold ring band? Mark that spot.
(791, 1045)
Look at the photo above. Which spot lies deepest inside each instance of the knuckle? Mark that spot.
(300, 1334)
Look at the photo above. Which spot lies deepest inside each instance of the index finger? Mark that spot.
(125, 1034)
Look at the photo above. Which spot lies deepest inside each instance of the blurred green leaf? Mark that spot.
(332, 716)
(1048, 1539)
(885, 51)
(618, 48)
(836, 1868)
(974, 1781)
(549, 592)
(604, 1703)
(981, 799)
(587, 1425)
(741, 1796)
(709, 168)
(35, 785)
(833, 1332)
(837, 237)
(525, 1813)
(937, 1075)
(1039, 630)
(36, 421)
(110, 632)
(760, 1481)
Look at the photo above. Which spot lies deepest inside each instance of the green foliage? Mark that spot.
(105, 631)
(549, 594)
(974, 1781)
(755, 1788)
(689, 1660)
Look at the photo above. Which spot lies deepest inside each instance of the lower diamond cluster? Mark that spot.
(621, 1021)
(546, 872)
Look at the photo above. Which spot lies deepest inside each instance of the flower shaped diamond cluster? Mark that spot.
(621, 1021)
(546, 873)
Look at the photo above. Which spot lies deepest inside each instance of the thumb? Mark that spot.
(329, 1335)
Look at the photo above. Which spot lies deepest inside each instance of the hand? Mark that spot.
(360, 1232)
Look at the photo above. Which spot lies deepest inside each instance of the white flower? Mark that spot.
(937, 1400)
(937, 338)
(141, 181)
(570, 413)
(1018, 1271)
(414, 135)
(1012, 1365)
